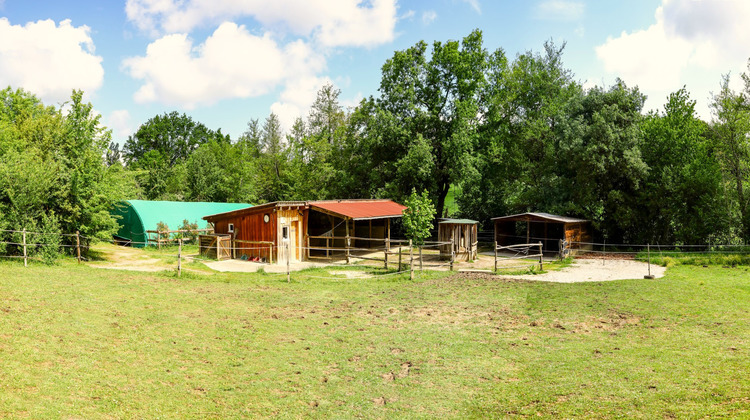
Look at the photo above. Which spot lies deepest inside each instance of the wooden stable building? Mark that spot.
(300, 230)
(463, 235)
(549, 229)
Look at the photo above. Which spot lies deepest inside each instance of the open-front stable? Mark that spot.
(549, 229)
(293, 231)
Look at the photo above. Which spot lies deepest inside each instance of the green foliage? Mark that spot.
(163, 230)
(49, 239)
(418, 217)
(191, 229)
(52, 162)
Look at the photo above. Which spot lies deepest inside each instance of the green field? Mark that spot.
(79, 342)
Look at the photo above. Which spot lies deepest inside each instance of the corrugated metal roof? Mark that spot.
(458, 221)
(524, 217)
(361, 209)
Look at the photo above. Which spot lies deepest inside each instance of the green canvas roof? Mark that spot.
(138, 216)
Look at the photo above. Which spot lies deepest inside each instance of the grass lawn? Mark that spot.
(79, 342)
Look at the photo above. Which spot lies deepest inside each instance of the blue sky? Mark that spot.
(224, 62)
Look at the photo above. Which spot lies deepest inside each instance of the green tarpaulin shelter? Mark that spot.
(138, 216)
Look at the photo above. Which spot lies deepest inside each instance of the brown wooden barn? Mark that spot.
(462, 233)
(307, 229)
(544, 227)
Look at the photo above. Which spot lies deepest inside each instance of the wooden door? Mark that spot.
(294, 241)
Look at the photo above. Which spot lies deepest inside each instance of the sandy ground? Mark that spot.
(582, 270)
(239, 266)
(597, 270)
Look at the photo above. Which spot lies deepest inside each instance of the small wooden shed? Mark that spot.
(462, 233)
(550, 229)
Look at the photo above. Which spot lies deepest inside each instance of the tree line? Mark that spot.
(500, 134)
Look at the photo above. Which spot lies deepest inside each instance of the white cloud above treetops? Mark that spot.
(49, 60)
(231, 63)
(690, 43)
(331, 23)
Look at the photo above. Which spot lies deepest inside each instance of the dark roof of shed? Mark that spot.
(457, 222)
(538, 217)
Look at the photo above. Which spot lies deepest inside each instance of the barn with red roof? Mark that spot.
(300, 230)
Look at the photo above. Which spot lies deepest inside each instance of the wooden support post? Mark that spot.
(78, 246)
(411, 261)
(453, 257)
(495, 256)
(288, 257)
(420, 258)
(399, 257)
(347, 242)
(528, 232)
(648, 251)
(25, 255)
(541, 256)
(179, 257)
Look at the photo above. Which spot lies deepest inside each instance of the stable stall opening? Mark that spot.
(549, 229)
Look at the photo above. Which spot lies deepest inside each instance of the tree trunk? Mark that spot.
(442, 193)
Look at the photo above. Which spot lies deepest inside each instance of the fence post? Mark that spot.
(562, 250)
(387, 241)
(179, 257)
(288, 257)
(496, 256)
(604, 250)
(78, 246)
(411, 261)
(541, 256)
(648, 252)
(420, 257)
(453, 257)
(25, 256)
(399, 257)
(347, 248)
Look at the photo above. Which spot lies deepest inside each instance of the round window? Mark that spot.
(266, 218)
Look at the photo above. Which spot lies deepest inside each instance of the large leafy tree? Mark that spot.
(172, 136)
(421, 132)
(600, 158)
(730, 129)
(159, 150)
(682, 199)
(52, 171)
(523, 104)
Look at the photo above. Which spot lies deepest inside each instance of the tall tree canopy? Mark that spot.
(421, 132)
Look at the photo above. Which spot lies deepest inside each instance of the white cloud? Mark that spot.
(231, 63)
(121, 123)
(332, 23)
(691, 43)
(429, 16)
(49, 60)
(296, 99)
(474, 5)
(560, 10)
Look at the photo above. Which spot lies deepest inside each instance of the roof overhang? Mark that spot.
(538, 217)
(359, 209)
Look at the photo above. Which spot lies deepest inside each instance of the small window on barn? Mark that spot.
(231, 228)
(266, 218)
(285, 232)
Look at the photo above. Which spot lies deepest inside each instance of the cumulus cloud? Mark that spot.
(429, 16)
(48, 59)
(690, 43)
(560, 10)
(121, 123)
(332, 23)
(231, 63)
(474, 5)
